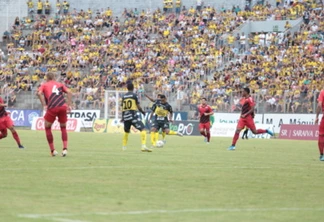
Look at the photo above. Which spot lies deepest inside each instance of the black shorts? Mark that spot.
(39, 11)
(160, 125)
(137, 123)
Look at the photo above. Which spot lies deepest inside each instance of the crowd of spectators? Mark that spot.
(177, 53)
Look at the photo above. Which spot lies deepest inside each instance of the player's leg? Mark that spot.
(62, 118)
(49, 120)
(4, 133)
(245, 133)
(16, 137)
(207, 128)
(163, 136)
(250, 125)
(154, 131)
(139, 125)
(239, 127)
(321, 140)
(202, 130)
(127, 126)
(171, 132)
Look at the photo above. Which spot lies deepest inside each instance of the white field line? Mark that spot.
(202, 210)
(132, 167)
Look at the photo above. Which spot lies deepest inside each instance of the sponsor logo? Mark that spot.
(31, 116)
(71, 124)
(299, 132)
(99, 126)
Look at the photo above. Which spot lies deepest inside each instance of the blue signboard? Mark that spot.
(23, 117)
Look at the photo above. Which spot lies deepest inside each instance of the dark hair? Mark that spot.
(204, 98)
(246, 89)
(162, 96)
(159, 95)
(130, 86)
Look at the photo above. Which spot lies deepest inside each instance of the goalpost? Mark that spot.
(112, 104)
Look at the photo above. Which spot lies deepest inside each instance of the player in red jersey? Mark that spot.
(246, 118)
(205, 111)
(51, 96)
(6, 123)
(320, 107)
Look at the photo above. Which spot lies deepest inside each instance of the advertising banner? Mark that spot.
(86, 116)
(71, 125)
(23, 117)
(228, 130)
(187, 128)
(100, 125)
(299, 132)
(293, 119)
(276, 119)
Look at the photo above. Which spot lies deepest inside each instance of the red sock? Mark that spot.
(16, 137)
(203, 133)
(321, 144)
(208, 136)
(235, 138)
(49, 137)
(64, 137)
(3, 134)
(260, 131)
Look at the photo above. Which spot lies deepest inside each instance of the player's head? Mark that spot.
(246, 91)
(163, 98)
(203, 101)
(50, 76)
(130, 86)
(159, 96)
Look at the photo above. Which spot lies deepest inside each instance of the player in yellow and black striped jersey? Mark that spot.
(162, 116)
(130, 107)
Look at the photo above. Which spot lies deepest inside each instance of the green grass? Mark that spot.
(187, 180)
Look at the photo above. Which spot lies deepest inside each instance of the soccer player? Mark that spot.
(150, 117)
(162, 112)
(6, 123)
(246, 118)
(205, 111)
(320, 107)
(51, 96)
(130, 107)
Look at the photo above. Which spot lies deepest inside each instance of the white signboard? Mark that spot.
(86, 116)
(71, 125)
(228, 130)
(276, 119)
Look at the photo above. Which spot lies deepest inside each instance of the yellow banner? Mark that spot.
(99, 126)
(115, 126)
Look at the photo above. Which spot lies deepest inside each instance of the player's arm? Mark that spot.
(140, 108)
(2, 104)
(170, 114)
(40, 96)
(319, 107)
(150, 98)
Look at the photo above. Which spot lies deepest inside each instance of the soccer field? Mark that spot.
(187, 180)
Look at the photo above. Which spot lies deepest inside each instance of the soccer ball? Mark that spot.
(159, 144)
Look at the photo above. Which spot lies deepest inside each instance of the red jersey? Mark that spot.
(53, 93)
(321, 99)
(247, 104)
(2, 109)
(202, 110)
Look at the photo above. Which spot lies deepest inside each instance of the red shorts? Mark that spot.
(321, 127)
(6, 122)
(59, 112)
(246, 122)
(203, 126)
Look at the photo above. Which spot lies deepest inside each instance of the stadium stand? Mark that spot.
(184, 55)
